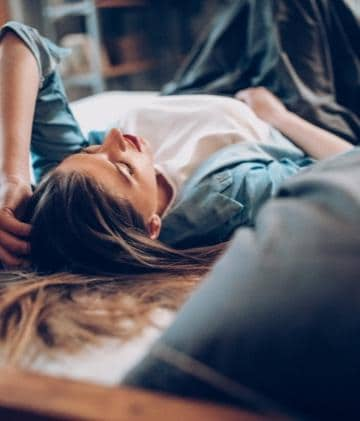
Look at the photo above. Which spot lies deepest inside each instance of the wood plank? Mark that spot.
(38, 397)
(120, 3)
(129, 68)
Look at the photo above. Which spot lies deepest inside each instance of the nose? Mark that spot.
(114, 140)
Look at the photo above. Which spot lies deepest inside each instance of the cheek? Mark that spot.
(150, 182)
(149, 186)
(147, 169)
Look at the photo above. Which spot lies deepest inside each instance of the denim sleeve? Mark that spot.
(256, 182)
(211, 210)
(55, 132)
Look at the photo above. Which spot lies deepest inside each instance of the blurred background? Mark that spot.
(117, 44)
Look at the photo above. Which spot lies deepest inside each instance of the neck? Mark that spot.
(164, 193)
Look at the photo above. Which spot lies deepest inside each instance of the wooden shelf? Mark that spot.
(130, 63)
(59, 11)
(4, 12)
(131, 67)
(80, 79)
(120, 3)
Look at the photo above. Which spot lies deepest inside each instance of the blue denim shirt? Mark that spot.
(228, 190)
(225, 192)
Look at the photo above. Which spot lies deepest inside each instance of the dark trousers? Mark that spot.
(305, 51)
(276, 324)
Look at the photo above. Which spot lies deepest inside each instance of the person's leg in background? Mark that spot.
(345, 47)
(238, 50)
(302, 50)
(275, 325)
(320, 54)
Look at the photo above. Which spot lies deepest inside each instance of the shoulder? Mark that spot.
(206, 214)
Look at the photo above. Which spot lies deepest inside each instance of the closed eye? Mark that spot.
(125, 166)
(121, 166)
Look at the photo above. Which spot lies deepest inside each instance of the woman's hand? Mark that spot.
(315, 141)
(265, 104)
(14, 247)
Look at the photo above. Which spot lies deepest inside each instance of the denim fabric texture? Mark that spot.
(275, 325)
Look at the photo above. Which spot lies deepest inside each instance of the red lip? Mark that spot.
(134, 141)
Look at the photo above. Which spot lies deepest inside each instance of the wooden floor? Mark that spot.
(30, 396)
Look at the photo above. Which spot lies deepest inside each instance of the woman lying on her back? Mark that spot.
(141, 214)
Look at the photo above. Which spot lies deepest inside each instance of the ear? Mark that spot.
(154, 226)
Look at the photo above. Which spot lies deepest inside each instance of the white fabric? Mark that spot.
(186, 130)
(101, 111)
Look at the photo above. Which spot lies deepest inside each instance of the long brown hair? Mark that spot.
(94, 270)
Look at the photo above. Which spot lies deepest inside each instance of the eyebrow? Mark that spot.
(86, 149)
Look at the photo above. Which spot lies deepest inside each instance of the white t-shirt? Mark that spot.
(186, 130)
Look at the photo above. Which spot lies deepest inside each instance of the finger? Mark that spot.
(9, 223)
(9, 261)
(24, 264)
(243, 95)
(16, 201)
(13, 244)
(13, 194)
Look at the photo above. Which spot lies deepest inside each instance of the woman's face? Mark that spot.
(124, 166)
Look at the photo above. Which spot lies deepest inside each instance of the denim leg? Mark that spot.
(239, 50)
(323, 61)
(275, 325)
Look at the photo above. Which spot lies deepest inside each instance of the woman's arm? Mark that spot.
(19, 83)
(316, 142)
(313, 140)
(33, 109)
